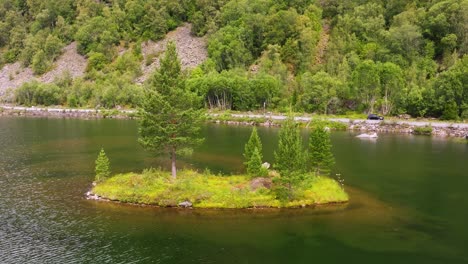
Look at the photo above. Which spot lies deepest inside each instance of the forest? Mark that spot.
(326, 57)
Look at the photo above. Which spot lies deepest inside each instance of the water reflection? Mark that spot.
(403, 194)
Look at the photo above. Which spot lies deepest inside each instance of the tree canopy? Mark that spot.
(391, 57)
(169, 119)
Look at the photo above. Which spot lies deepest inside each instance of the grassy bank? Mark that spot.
(206, 190)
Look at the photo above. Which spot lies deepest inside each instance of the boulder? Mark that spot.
(185, 204)
(260, 182)
(91, 196)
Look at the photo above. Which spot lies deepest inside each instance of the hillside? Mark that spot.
(329, 57)
(13, 75)
(191, 50)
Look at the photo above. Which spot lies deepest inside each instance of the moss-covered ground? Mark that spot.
(205, 190)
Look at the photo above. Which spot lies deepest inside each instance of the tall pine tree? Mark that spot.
(290, 157)
(320, 155)
(253, 155)
(254, 142)
(254, 165)
(169, 121)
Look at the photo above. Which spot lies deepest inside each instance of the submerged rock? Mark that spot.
(373, 135)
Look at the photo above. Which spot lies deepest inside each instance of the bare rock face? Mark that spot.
(69, 62)
(260, 182)
(13, 75)
(191, 50)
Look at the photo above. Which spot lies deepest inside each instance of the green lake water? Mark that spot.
(409, 201)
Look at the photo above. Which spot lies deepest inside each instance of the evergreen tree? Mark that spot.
(169, 122)
(253, 143)
(289, 157)
(254, 164)
(321, 157)
(102, 166)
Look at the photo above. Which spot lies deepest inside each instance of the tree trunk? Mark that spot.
(173, 163)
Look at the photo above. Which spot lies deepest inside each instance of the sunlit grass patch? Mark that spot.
(156, 187)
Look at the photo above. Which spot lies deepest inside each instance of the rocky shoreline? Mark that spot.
(458, 130)
(66, 112)
(451, 130)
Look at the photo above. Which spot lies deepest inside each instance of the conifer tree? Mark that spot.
(254, 164)
(320, 155)
(169, 121)
(253, 143)
(289, 157)
(102, 166)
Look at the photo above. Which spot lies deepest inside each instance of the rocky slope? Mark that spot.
(14, 75)
(191, 51)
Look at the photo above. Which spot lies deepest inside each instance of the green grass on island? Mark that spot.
(205, 190)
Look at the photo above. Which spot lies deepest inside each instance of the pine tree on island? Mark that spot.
(169, 120)
(290, 156)
(254, 165)
(102, 166)
(254, 142)
(320, 155)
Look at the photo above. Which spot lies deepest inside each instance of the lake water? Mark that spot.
(408, 201)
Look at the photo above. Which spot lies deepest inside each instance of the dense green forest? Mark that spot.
(328, 56)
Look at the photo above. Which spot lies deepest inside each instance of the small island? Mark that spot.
(205, 190)
(169, 123)
(290, 185)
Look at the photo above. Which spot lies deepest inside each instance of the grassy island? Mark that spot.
(169, 124)
(205, 190)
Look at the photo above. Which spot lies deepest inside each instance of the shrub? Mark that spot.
(53, 46)
(450, 111)
(424, 130)
(35, 93)
(97, 61)
(40, 62)
(128, 62)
